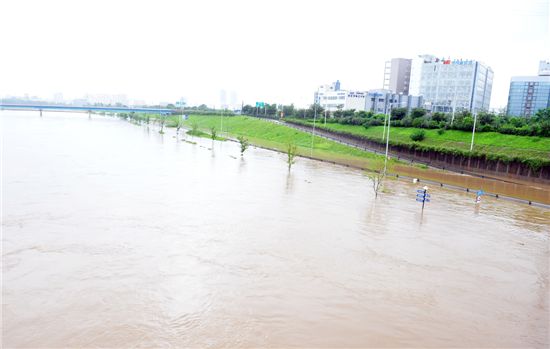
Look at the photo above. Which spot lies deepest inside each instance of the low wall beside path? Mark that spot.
(457, 163)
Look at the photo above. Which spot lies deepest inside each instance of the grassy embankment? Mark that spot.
(491, 144)
(202, 134)
(276, 136)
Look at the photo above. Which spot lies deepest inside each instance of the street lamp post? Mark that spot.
(473, 131)
(313, 130)
(387, 140)
(454, 107)
(221, 122)
(384, 129)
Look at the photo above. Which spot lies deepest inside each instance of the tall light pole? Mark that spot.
(473, 131)
(454, 106)
(313, 130)
(384, 130)
(376, 95)
(221, 122)
(387, 140)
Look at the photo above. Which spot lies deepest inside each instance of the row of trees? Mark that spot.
(177, 122)
(288, 111)
(537, 125)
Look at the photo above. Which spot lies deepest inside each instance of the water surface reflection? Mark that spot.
(116, 236)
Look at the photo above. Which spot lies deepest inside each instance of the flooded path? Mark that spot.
(116, 236)
(504, 187)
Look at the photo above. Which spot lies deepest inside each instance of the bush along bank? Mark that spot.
(452, 158)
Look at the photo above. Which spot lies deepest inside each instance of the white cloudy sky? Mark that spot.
(275, 51)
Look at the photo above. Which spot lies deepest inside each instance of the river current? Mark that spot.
(114, 235)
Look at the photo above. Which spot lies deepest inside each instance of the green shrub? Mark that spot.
(244, 144)
(433, 124)
(441, 131)
(417, 122)
(418, 135)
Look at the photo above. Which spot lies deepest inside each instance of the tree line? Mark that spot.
(537, 125)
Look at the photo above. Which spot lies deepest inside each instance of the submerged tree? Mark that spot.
(179, 125)
(291, 154)
(194, 129)
(376, 176)
(244, 144)
(161, 121)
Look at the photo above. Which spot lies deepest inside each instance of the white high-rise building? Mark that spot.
(448, 85)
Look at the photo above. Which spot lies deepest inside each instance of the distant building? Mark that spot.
(181, 103)
(330, 97)
(58, 98)
(377, 101)
(223, 99)
(397, 75)
(107, 99)
(448, 85)
(356, 100)
(79, 102)
(528, 94)
(544, 68)
(233, 104)
(323, 89)
(382, 101)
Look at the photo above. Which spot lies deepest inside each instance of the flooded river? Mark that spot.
(116, 236)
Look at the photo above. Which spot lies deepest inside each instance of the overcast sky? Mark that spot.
(272, 51)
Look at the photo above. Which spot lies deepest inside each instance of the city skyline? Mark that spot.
(277, 52)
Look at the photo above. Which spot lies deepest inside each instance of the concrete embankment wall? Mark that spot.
(457, 163)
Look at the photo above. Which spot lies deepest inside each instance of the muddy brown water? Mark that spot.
(505, 188)
(116, 236)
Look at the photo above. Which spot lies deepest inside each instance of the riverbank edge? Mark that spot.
(403, 171)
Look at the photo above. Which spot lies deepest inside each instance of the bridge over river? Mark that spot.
(89, 109)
